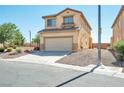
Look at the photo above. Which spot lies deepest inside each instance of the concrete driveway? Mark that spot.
(14, 74)
(42, 56)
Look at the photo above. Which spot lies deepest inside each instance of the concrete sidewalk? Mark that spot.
(42, 56)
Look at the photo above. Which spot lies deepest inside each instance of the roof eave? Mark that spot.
(120, 11)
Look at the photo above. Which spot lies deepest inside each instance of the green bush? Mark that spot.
(18, 50)
(108, 45)
(9, 49)
(1, 49)
(119, 47)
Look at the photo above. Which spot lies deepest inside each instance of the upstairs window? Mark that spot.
(51, 22)
(68, 20)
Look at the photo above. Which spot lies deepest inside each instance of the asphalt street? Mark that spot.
(21, 74)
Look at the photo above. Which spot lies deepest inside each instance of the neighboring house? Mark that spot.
(103, 45)
(118, 27)
(67, 30)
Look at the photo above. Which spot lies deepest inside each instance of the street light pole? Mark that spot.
(99, 35)
(30, 37)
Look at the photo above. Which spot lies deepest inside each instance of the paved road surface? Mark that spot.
(26, 74)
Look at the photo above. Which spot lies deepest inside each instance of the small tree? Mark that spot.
(36, 40)
(10, 33)
(6, 31)
(17, 39)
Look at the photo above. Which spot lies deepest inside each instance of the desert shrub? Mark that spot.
(119, 47)
(14, 46)
(9, 49)
(36, 48)
(27, 51)
(18, 50)
(1, 49)
(12, 53)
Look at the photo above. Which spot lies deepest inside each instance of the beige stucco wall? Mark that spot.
(122, 25)
(84, 35)
(84, 39)
(81, 38)
(118, 31)
(73, 34)
(59, 19)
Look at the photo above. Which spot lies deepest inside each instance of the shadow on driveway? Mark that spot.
(78, 76)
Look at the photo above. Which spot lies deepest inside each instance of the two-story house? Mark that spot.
(67, 30)
(118, 27)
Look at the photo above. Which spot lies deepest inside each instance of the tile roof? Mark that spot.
(58, 29)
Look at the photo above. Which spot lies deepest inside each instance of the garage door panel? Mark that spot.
(58, 44)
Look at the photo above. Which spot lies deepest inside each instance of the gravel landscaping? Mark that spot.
(9, 55)
(18, 52)
(89, 56)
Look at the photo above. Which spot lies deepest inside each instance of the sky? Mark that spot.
(29, 17)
